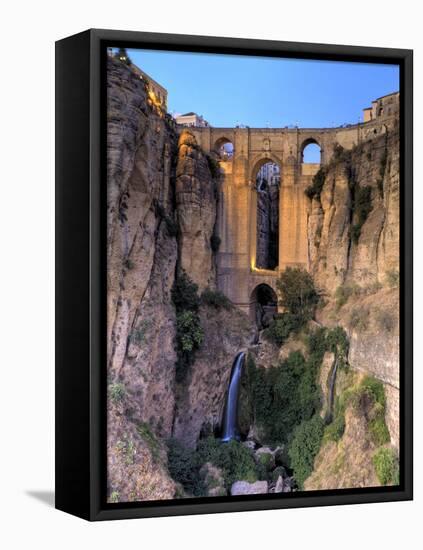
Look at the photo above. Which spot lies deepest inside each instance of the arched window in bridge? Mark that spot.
(311, 153)
(267, 244)
(263, 305)
(224, 148)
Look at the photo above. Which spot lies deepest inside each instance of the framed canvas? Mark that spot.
(234, 274)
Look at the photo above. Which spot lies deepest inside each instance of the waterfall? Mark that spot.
(230, 417)
(332, 391)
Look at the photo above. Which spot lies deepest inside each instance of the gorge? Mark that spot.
(195, 321)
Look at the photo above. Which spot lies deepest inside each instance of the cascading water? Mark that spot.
(332, 391)
(230, 418)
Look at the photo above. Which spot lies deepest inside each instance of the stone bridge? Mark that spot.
(237, 271)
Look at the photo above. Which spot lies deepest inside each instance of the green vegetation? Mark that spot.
(335, 430)
(392, 278)
(185, 294)
(299, 298)
(362, 206)
(189, 336)
(189, 333)
(305, 445)
(359, 319)
(114, 497)
(138, 334)
(127, 447)
(297, 292)
(314, 190)
(233, 458)
(281, 327)
(116, 392)
(215, 298)
(183, 467)
(386, 465)
(150, 439)
(369, 398)
(283, 396)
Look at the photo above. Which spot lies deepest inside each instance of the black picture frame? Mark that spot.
(81, 273)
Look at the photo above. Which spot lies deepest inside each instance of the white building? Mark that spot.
(269, 173)
(191, 119)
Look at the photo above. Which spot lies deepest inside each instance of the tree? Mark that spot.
(297, 292)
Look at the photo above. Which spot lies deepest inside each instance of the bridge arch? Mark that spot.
(259, 162)
(311, 148)
(224, 147)
(263, 305)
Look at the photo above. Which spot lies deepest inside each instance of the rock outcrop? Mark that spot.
(343, 248)
(246, 488)
(196, 194)
(354, 257)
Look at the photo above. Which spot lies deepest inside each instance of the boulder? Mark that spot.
(279, 485)
(278, 471)
(246, 488)
(249, 444)
(212, 477)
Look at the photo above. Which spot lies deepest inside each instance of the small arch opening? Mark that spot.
(267, 244)
(263, 305)
(311, 152)
(224, 148)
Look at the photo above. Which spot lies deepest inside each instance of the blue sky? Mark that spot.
(259, 92)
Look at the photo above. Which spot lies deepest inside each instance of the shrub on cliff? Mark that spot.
(215, 298)
(386, 465)
(189, 336)
(189, 333)
(185, 293)
(281, 327)
(116, 392)
(305, 445)
(297, 293)
(183, 467)
(234, 459)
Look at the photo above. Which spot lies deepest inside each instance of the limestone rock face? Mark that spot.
(335, 256)
(136, 461)
(141, 252)
(362, 258)
(196, 212)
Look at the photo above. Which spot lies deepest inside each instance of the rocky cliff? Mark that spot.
(161, 211)
(353, 234)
